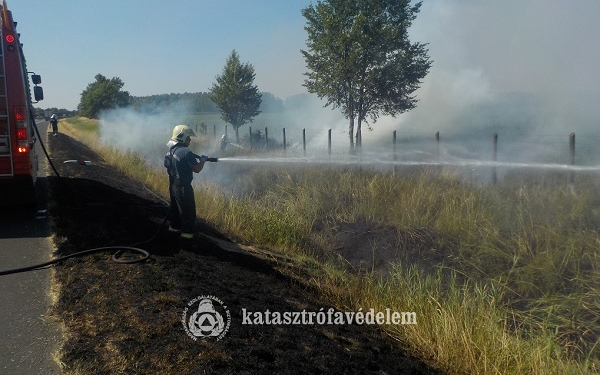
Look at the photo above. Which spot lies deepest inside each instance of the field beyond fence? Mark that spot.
(482, 158)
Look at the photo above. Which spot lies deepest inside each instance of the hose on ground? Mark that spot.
(118, 255)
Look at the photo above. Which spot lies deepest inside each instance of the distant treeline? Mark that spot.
(46, 113)
(198, 102)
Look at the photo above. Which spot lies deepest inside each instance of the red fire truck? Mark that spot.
(18, 158)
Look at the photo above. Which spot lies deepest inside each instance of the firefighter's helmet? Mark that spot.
(181, 132)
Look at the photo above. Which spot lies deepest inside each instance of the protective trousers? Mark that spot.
(182, 209)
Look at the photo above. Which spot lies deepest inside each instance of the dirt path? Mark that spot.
(127, 318)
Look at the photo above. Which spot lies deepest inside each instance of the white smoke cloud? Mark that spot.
(483, 48)
(528, 70)
(143, 133)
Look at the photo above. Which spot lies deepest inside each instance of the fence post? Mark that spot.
(437, 140)
(572, 156)
(304, 140)
(284, 141)
(267, 137)
(329, 141)
(495, 157)
(250, 127)
(394, 147)
(215, 131)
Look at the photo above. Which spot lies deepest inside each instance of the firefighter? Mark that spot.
(224, 142)
(181, 163)
(54, 123)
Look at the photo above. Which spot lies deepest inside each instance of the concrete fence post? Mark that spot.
(304, 140)
(572, 156)
(437, 141)
(284, 141)
(495, 158)
(267, 137)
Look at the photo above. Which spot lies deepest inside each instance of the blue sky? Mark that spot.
(478, 47)
(159, 46)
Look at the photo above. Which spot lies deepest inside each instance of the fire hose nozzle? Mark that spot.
(206, 158)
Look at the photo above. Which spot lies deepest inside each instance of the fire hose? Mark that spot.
(116, 258)
(120, 250)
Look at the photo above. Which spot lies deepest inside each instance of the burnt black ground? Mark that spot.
(126, 318)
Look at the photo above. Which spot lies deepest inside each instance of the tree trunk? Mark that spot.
(359, 134)
(361, 117)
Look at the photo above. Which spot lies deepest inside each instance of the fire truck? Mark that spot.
(18, 157)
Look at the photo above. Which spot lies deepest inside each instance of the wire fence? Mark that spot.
(492, 154)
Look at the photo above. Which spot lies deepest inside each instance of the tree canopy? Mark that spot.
(235, 94)
(192, 102)
(360, 58)
(102, 94)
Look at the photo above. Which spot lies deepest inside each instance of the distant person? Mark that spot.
(181, 162)
(224, 142)
(54, 123)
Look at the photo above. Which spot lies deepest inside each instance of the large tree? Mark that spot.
(361, 60)
(102, 94)
(235, 94)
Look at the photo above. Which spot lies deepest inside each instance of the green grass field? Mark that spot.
(504, 279)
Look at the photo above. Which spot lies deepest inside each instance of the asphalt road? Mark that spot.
(28, 338)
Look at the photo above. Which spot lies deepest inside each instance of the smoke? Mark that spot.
(528, 70)
(145, 133)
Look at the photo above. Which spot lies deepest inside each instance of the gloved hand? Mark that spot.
(203, 158)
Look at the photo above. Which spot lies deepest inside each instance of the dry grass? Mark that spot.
(515, 284)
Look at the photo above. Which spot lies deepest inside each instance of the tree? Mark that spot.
(361, 60)
(235, 94)
(102, 94)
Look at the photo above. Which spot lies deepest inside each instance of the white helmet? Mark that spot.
(181, 132)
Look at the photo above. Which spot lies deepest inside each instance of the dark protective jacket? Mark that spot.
(179, 161)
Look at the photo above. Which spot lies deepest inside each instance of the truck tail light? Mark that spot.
(20, 114)
(20, 117)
